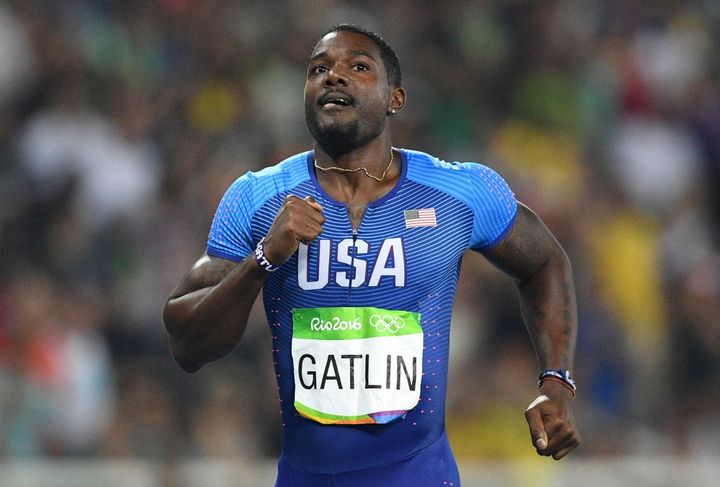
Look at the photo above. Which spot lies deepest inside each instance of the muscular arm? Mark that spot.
(537, 262)
(206, 315)
(542, 271)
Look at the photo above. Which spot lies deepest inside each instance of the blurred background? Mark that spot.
(123, 122)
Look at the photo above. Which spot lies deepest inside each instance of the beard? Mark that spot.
(336, 137)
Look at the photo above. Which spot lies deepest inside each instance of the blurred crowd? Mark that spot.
(123, 122)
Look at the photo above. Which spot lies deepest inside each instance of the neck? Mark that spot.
(373, 156)
(343, 176)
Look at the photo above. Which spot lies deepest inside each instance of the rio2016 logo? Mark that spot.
(386, 323)
(334, 324)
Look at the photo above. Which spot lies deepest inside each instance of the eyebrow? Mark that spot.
(354, 52)
(362, 53)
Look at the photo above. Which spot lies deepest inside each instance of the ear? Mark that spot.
(397, 100)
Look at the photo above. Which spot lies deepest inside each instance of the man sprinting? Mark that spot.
(357, 246)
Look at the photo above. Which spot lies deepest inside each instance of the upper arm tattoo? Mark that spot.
(526, 249)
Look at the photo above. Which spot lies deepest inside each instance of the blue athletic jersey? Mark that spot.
(406, 255)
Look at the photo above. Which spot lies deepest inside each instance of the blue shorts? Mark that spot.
(430, 467)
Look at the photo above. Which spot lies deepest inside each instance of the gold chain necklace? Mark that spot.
(342, 169)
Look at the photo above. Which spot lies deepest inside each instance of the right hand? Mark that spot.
(298, 221)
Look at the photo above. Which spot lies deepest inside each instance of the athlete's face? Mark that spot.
(347, 95)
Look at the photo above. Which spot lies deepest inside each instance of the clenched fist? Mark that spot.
(298, 221)
(551, 422)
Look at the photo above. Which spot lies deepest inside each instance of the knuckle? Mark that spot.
(291, 202)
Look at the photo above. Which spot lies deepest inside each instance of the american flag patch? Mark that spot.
(424, 217)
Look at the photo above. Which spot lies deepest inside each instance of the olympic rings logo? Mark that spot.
(386, 323)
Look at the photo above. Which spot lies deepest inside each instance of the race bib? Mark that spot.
(356, 365)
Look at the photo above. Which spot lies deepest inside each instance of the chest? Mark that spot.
(403, 248)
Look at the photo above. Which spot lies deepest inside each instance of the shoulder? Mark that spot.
(283, 175)
(463, 180)
(479, 187)
(288, 171)
(259, 186)
(231, 233)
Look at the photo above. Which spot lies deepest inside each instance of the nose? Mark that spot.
(335, 76)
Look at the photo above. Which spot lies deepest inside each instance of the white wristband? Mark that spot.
(261, 259)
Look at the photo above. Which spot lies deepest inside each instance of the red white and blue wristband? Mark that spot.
(261, 259)
(558, 375)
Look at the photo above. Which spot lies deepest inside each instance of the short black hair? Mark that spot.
(387, 53)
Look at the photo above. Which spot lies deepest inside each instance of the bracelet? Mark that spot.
(261, 259)
(558, 375)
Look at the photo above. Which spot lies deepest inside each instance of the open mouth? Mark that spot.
(333, 100)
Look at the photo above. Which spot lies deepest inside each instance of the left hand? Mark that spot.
(551, 422)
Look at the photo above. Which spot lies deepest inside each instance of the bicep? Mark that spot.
(527, 248)
(206, 272)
